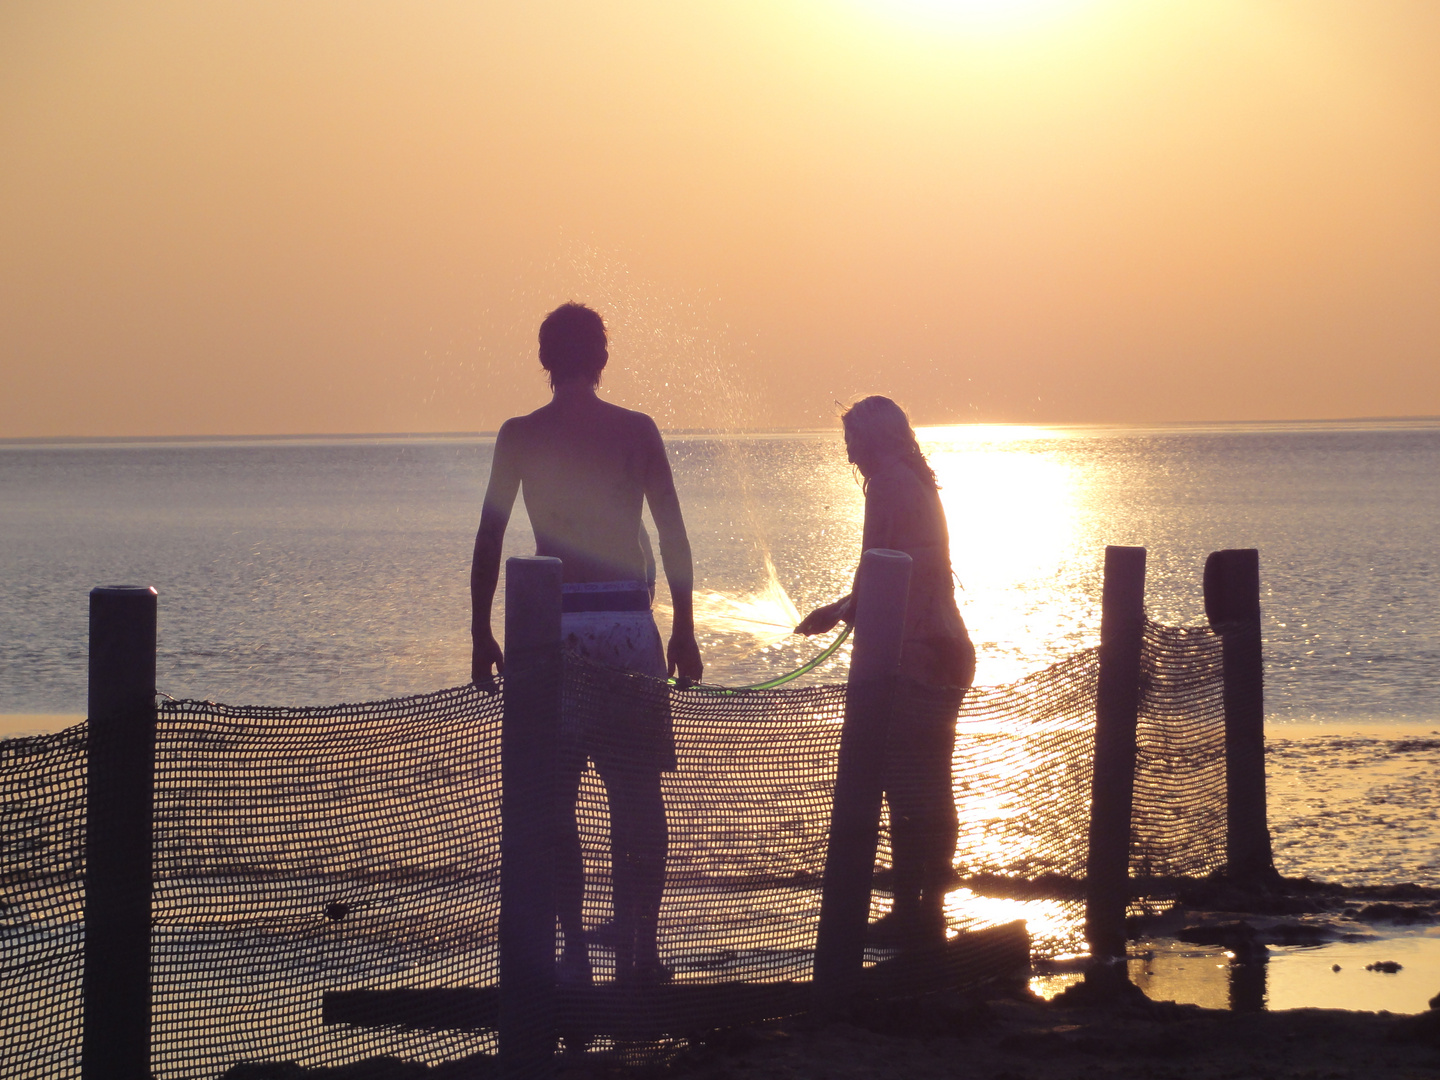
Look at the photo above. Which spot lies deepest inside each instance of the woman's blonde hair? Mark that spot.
(880, 427)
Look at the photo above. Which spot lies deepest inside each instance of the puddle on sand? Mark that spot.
(1290, 976)
(1303, 977)
(22, 725)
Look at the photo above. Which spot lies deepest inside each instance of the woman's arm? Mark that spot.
(879, 513)
(881, 504)
(823, 619)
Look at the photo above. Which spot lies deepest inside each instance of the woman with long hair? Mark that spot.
(937, 665)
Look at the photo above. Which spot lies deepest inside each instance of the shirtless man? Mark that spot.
(586, 467)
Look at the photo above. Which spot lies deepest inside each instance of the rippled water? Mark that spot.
(310, 571)
(313, 571)
(1359, 807)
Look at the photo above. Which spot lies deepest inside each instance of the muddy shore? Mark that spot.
(1009, 1033)
(1014, 1037)
(1025, 1040)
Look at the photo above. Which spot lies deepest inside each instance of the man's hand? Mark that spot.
(485, 653)
(682, 658)
(824, 618)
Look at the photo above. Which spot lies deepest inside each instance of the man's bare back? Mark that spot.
(586, 468)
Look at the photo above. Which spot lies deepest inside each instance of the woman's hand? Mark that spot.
(824, 618)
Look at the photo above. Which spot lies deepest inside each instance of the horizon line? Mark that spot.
(42, 440)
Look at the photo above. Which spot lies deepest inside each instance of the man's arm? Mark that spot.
(683, 655)
(485, 566)
(649, 553)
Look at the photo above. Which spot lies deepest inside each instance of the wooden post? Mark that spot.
(1107, 869)
(1249, 981)
(882, 587)
(1232, 604)
(528, 734)
(119, 834)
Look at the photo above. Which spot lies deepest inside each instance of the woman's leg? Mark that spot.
(937, 804)
(923, 822)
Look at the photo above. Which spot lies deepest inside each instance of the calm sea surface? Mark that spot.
(310, 570)
(313, 571)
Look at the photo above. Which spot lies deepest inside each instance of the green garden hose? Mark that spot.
(804, 669)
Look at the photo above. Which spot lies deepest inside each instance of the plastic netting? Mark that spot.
(300, 851)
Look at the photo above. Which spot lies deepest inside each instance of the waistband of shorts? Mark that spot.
(578, 596)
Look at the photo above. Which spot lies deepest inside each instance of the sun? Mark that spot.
(994, 15)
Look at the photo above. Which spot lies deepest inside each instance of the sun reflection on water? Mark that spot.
(1056, 926)
(1021, 506)
(1014, 509)
(767, 614)
(750, 624)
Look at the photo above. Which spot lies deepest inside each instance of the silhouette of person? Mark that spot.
(585, 468)
(937, 665)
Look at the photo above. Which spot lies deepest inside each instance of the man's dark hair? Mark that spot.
(573, 345)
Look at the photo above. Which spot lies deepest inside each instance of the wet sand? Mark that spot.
(1350, 804)
(1009, 1038)
(1020, 1040)
(1357, 804)
(20, 725)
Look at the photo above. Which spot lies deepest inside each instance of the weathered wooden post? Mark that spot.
(1107, 868)
(528, 737)
(1232, 604)
(881, 590)
(119, 834)
(1249, 981)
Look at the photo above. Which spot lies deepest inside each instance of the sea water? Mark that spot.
(312, 571)
(308, 571)
(315, 571)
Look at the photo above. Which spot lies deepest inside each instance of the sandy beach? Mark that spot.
(21, 725)
(1328, 981)
(1022, 1040)
(1013, 1037)
(1232, 992)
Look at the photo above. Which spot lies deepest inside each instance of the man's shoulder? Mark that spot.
(624, 415)
(519, 425)
(545, 423)
(514, 429)
(631, 422)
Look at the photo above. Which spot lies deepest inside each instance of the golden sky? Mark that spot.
(286, 216)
